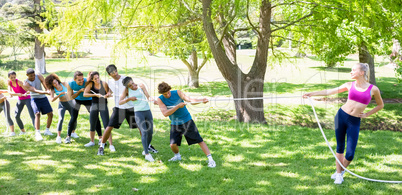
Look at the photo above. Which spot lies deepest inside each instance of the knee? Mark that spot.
(50, 114)
(349, 156)
(37, 115)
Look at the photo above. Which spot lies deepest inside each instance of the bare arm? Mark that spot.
(88, 93)
(193, 101)
(378, 100)
(144, 89)
(52, 97)
(327, 92)
(169, 112)
(123, 98)
(107, 90)
(71, 94)
(42, 80)
(11, 91)
(32, 89)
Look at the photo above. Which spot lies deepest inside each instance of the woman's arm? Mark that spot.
(327, 92)
(52, 97)
(88, 93)
(378, 100)
(144, 89)
(123, 98)
(107, 90)
(11, 91)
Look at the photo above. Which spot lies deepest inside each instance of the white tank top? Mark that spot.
(141, 104)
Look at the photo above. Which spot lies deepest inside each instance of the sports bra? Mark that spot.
(63, 90)
(19, 89)
(358, 96)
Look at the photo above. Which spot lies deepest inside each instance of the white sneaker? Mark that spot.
(338, 179)
(143, 153)
(58, 139)
(12, 134)
(22, 133)
(149, 158)
(38, 136)
(175, 158)
(211, 164)
(74, 135)
(89, 144)
(47, 132)
(112, 149)
(333, 176)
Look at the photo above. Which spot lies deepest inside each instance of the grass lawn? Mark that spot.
(252, 159)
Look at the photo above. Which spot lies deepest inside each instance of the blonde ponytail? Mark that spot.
(365, 67)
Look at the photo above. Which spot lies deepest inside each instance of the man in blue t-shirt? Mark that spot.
(181, 121)
(75, 90)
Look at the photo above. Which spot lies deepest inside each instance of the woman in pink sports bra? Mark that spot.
(347, 120)
(16, 88)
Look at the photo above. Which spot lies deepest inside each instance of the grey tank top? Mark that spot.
(37, 85)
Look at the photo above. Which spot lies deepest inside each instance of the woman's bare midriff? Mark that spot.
(353, 108)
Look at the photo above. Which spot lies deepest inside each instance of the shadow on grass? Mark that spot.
(251, 158)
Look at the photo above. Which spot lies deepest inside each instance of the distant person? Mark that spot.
(181, 120)
(143, 116)
(98, 90)
(5, 106)
(347, 120)
(58, 90)
(16, 88)
(120, 112)
(39, 102)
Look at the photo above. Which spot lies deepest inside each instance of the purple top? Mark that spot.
(19, 89)
(358, 96)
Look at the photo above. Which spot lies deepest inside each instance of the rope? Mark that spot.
(329, 146)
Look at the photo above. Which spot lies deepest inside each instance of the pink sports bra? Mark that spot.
(19, 89)
(358, 96)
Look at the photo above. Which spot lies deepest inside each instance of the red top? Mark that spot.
(19, 89)
(358, 96)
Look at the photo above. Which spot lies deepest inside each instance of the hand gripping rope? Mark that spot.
(319, 125)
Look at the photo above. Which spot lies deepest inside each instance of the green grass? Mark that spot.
(252, 159)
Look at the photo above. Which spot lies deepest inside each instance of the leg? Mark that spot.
(62, 111)
(6, 108)
(30, 111)
(18, 110)
(49, 119)
(340, 133)
(37, 121)
(204, 148)
(142, 126)
(72, 125)
(93, 118)
(175, 148)
(105, 120)
(352, 138)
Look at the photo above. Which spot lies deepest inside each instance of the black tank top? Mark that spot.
(101, 91)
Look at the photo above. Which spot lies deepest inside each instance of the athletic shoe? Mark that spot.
(47, 132)
(12, 134)
(152, 149)
(68, 140)
(175, 158)
(211, 164)
(338, 179)
(143, 153)
(100, 151)
(89, 144)
(38, 136)
(22, 133)
(100, 142)
(74, 135)
(149, 158)
(112, 149)
(333, 176)
(58, 139)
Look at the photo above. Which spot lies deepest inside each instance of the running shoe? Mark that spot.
(152, 149)
(74, 135)
(149, 158)
(211, 164)
(38, 136)
(89, 144)
(22, 133)
(112, 149)
(12, 134)
(68, 140)
(333, 176)
(338, 179)
(47, 132)
(100, 151)
(175, 158)
(58, 139)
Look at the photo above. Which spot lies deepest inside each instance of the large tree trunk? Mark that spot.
(242, 85)
(365, 57)
(194, 69)
(40, 64)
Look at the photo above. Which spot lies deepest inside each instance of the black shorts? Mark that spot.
(119, 115)
(189, 130)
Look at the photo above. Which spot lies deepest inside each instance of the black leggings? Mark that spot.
(97, 109)
(6, 112)
(76, 110)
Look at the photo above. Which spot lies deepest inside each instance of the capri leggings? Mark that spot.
(6, 112)
(63, 107)
(18, 110)
(97, 109)
(346, 125)
(145, 123)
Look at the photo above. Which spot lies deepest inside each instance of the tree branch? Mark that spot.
(187, 64)
(204, 61)
(251, 24)
(163, 26)
(292, 40)
(291, 23)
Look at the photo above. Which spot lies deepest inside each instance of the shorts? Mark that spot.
(41, 105)
(189, 130)
(119, 115)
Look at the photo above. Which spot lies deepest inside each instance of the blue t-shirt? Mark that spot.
(181, 115)
(75, 87)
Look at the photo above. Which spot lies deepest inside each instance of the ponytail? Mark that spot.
(365, 68)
